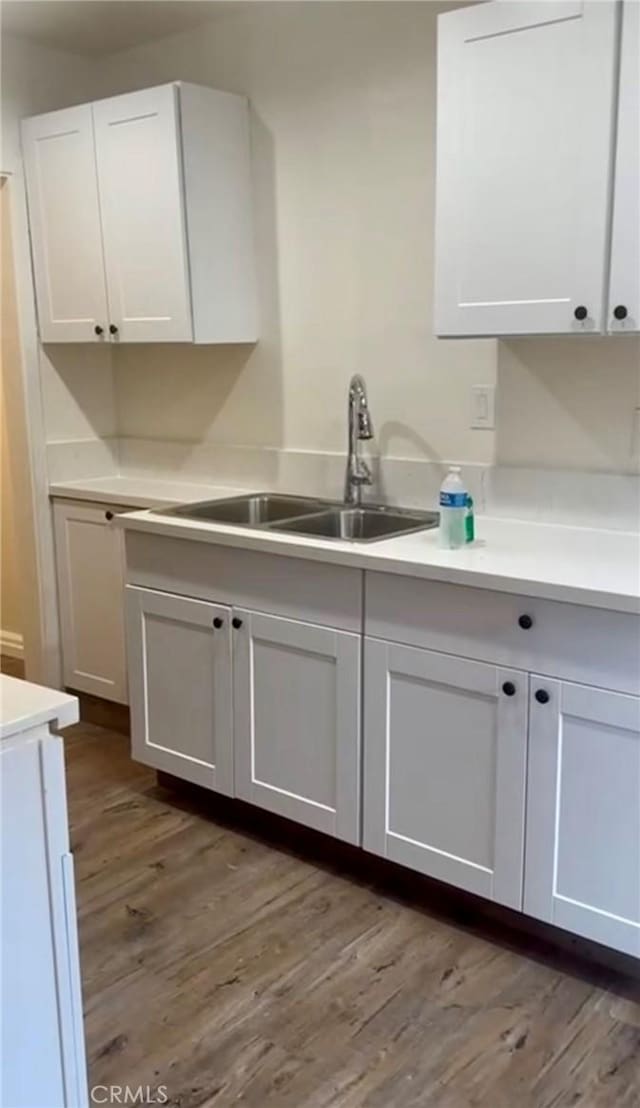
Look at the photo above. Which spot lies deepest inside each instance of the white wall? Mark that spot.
(343, 98)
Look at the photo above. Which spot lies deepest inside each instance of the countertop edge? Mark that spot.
(309, 549)
(49, 706)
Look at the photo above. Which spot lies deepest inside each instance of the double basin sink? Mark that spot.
(304, 515)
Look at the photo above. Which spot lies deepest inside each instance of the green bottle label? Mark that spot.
(469, 522)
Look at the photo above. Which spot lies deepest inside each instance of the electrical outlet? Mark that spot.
(483, 407)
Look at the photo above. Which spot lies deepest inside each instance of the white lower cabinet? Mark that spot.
(213, 686)
(90, 571)
(583, 812)
(297, 721)
(42, 1042)
(180, 686)
(521, 789)
(445, 743)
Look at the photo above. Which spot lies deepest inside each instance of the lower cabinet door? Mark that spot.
(180, 686)
(297, 721)
(90, 569)
(583, 812)
(445, 743)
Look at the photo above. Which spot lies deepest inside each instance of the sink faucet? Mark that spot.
(360, 427)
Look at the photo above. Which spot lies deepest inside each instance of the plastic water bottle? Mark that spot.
(453, 509)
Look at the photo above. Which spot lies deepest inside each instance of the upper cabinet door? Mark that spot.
(62, 190)
(624, 293)
(142, 203)
(525, 106)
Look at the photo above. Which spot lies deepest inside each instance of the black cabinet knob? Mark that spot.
(542, 696)
(509, 688)
(113, 330)
(108, 516)
(98, 329)
(218, 623)
(525, 622)
(581, 312)
(620, 312)
(236, 623)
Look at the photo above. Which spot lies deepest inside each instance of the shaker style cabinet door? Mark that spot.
(142, 203)
(64, 215)
(180, 687)
(583, 812)
(445, 743)
(297, 721)
(90, 570)
(524, 161)
(624, 290)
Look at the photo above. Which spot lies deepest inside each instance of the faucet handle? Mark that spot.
(361, 473)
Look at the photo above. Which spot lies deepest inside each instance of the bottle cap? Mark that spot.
(454, 469)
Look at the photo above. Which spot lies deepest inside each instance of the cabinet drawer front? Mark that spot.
(566, 640)
(309, 591)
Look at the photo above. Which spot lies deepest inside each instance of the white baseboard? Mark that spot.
(12, 644)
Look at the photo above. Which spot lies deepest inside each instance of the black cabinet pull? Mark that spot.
(542, 696)
(509, 688)
(236, 623)
(620, 312)
(581, 312)
(98, 329)
(113, 330)
(218, 623)
(525, 622)
(108, 516)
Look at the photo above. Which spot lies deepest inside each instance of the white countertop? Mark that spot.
(574, 564)
(24, 705)
(139, 492)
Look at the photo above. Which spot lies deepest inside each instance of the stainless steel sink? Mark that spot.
(306, 515)
(360, 524)
(248, 511)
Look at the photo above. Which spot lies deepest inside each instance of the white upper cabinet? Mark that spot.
(145, 243)
(624, 290)
(140, 210)
(64, 213)
(526, 97)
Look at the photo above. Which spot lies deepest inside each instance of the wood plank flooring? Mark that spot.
(234, 972)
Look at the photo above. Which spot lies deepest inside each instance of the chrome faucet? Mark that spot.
(360, 427)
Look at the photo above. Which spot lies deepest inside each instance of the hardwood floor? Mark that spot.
(232, 971)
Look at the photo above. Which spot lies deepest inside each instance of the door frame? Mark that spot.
(21, 381)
